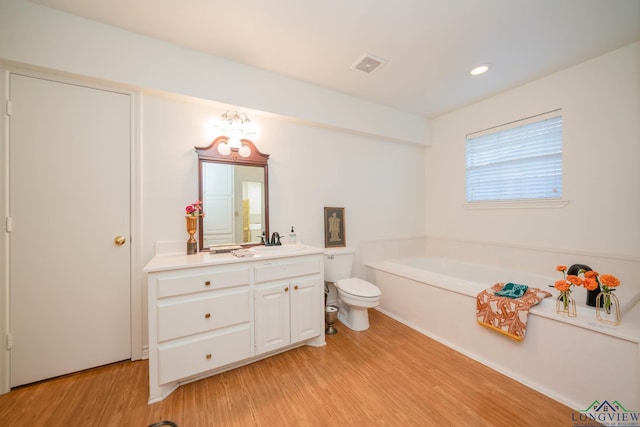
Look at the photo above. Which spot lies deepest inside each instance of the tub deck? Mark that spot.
(470, 279)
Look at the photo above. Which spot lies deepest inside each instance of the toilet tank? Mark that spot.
(338, 263)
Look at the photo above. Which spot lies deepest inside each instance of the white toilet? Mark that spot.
(355, 295)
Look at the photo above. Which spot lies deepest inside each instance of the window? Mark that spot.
(518, 161)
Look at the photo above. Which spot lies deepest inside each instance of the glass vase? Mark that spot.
(608, 308)
(565, 304)
(192, 227)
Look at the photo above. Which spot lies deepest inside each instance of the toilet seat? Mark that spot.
(359, 288)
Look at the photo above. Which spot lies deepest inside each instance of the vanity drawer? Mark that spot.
(281, 270)
(190, 281)
(182, 317)
(176, 362)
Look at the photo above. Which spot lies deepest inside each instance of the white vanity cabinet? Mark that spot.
(210, 313)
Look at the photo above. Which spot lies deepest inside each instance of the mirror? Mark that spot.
(233, 187)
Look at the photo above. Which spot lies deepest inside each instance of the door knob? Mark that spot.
(119, 240)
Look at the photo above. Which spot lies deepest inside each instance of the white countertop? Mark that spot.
(179, 261)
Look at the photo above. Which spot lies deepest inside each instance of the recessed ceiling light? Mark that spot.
(480, 69)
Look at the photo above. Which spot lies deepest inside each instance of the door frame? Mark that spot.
(136, 298)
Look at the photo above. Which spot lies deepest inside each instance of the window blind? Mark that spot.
(518, 161)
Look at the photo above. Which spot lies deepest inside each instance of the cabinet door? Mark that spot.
(306, 308)
(272, 316)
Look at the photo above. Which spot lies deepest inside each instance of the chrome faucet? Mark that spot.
(275, 239)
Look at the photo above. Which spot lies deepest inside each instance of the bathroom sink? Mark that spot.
(277, 249)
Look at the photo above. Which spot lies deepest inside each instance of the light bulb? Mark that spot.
(480, 69)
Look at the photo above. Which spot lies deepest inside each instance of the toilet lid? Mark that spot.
(359, 288)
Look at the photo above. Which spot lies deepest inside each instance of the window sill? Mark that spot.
(518, 204)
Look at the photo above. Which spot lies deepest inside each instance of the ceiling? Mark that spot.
(430, 45)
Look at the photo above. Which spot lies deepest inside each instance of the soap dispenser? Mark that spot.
(292, 236)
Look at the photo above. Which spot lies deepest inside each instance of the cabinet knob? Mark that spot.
(286, 289)
(208, 356)
(207, 283)
(295, 287)
(208, 315)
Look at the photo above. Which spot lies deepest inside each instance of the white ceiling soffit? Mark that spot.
(430, 45)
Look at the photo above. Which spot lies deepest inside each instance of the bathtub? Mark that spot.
(437, 297)
(461, 277)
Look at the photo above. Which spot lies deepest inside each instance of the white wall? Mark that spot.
(600, 100)
(378, 182)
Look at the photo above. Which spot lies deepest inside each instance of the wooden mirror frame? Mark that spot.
(210, 154)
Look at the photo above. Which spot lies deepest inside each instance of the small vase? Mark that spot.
(192, 227)
(565, 304)
(608, 308)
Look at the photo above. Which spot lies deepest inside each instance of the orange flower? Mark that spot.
(561, 268)
(590, 274)
(562, 285)
(590, 283)
(574, 280)
(609, 281)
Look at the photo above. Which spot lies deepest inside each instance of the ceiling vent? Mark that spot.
(368, 63)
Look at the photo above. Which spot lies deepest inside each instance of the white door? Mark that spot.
(217, 196)
(69, 193)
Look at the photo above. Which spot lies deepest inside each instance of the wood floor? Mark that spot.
(388, 375)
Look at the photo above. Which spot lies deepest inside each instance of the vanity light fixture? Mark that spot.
(235, 126)
(480, 69)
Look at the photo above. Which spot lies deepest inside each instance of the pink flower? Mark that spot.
(194, 209)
